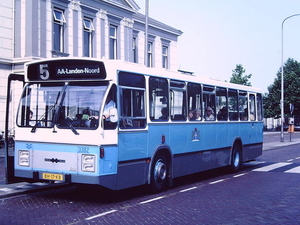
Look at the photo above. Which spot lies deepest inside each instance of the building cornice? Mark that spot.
(18, 60)
(138, 17)
(119, 5)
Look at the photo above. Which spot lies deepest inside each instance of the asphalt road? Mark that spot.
(265, 192)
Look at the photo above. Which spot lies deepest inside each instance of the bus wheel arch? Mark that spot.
(236, 159)
(160, 170)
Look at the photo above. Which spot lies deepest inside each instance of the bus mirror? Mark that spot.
(113, 115)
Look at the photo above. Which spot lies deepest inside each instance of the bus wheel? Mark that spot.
(159, 173)
(236, 159)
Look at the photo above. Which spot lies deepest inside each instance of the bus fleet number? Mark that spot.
(83, 149)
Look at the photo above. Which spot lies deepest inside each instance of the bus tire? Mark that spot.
(159, 173)
(236, 158)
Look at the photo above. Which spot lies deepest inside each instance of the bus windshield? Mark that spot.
(80, 106)
(37, 104)
(72, 105)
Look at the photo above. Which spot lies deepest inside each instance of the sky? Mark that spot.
(219, 34)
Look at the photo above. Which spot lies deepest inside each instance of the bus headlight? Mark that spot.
(88, 163)
(24, 158)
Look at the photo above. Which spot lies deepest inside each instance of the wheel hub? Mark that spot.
(236, 159)
(160, 171)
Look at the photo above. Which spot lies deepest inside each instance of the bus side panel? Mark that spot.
(253, 148)
(251, 151)
(133, 145)
(133, 154)
(184, 164)
(132, 174)
(208, 135)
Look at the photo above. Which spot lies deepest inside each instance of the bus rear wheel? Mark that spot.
(159, 173)
(236, 159)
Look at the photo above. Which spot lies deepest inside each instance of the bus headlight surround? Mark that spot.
(88, 163)
(24, 157)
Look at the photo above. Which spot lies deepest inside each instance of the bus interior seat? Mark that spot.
(78, 116)
(179, 117)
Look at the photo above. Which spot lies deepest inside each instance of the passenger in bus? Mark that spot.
(86, 116)
(191, 115)
(197, 114)
(209, 115)
(245, 116)
(222, 114)
(30, 121)
(164, 114)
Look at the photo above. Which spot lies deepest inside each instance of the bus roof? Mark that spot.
(111, 66)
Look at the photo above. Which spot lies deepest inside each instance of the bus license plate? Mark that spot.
(52, 176)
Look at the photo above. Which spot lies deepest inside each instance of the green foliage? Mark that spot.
(238, 76)
(291, 91)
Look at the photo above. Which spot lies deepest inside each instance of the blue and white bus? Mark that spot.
(119, 125)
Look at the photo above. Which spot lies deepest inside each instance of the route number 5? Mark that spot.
(44, 72)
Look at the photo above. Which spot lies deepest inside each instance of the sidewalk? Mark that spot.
(278, 144)
(270, 146)
(7, 190)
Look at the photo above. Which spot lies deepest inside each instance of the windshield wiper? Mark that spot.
(38, 122)
(69, 123)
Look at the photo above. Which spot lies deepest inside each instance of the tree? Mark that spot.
(238, 76)
(291, 91)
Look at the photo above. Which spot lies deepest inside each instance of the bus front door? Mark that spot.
(14, 89)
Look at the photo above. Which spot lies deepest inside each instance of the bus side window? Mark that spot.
(178, 100)
(132, 108)
(209, 103)
(243, 105)
(194, 102)
(159, 99)
(132, 101)
(110, 103)
(221, 104)
(259, 107)
(233, 105)
(252, 105)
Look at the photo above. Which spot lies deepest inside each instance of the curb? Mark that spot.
(10, 190)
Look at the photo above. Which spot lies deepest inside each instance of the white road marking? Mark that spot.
(255, 162)
(152, 200)
(294, 170)
(101, 214)
(239, 175)
(217, 181)
(188, 189)
(6, 189)
(271, 167)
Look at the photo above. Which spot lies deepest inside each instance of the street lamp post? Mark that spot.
(146, 31)
(282, 82)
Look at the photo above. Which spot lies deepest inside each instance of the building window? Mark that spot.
(113, 42)
(165, 58)
(150, 54)
(134, 50)
(87, 37)
(58, 30)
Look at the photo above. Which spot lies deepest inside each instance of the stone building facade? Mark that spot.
(102, 29)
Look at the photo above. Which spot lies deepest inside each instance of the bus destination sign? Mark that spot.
(75, 70)
(65, 70)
